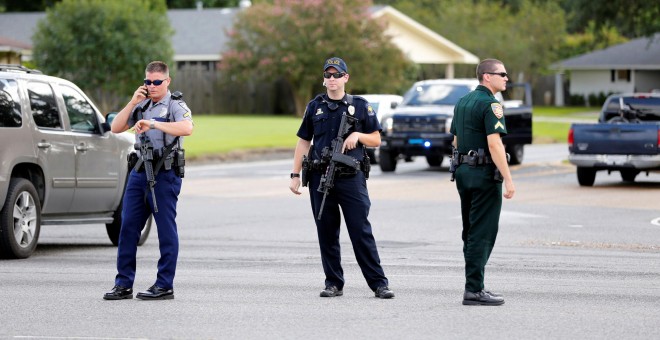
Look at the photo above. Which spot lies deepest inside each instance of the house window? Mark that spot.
(620, 76)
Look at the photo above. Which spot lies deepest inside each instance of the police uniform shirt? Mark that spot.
(477, 115)
(178, 111)
(322, 119)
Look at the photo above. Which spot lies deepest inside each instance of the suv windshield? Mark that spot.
(435, 94)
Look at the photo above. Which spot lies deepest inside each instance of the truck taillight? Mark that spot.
(571, 140)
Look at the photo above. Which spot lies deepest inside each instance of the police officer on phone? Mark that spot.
(161, 118)
(321, 122)
(481, 161)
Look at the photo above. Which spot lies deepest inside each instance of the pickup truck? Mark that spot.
(626, 139)
(419, 126)
(59, 162)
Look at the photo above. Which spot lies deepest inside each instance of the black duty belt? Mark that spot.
(463, 158)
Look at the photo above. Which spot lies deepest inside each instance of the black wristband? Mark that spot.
(294, 175)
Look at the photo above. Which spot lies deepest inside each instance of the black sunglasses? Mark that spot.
(155, 82)
(501, 74)
(337, 75)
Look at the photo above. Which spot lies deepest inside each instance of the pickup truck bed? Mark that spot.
(629, 148)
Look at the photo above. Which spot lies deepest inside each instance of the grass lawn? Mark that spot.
(220, 134)
(544, 132)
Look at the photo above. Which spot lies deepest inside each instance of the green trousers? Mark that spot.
(481, 203)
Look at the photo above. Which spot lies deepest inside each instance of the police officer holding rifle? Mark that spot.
(336, 168)
(160, 120)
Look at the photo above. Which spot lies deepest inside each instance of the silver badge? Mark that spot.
(351, 110)
(319, 112)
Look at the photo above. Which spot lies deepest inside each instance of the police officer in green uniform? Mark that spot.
(478, 126)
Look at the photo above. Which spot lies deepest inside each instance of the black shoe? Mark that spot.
(481, 298)
(384, 293)
(118, 293)
(156, 293)
(493, 294)
(331, 291)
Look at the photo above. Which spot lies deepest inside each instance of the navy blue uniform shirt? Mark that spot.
(321, 123)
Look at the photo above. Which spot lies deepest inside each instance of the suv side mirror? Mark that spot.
(394, 105)
(105, 126)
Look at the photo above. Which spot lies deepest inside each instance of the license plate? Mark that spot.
(617, 159)
(415, 141)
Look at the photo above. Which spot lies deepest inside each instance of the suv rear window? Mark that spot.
(10, 108)
(435, 94)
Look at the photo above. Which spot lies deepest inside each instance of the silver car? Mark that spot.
(59, 162)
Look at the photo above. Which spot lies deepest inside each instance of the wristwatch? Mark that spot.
(294, 175)
(152, 123)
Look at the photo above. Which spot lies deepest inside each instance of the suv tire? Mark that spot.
(114, 228)
(19, 233)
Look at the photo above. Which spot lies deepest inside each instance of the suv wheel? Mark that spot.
(20, 220)
(387, 161)
(114, 228)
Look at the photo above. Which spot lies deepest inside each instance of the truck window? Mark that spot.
(44, 106)
(10, 108)
(647, 107)
(81, 114)
(435, 94)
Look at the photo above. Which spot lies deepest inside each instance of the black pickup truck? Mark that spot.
(626, 139)
(419, 126)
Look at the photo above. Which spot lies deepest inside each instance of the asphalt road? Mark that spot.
(572, 262)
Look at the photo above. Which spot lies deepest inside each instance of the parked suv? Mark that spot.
(59, 162)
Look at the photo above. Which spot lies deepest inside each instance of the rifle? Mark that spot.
(146, 157)
(336, 160)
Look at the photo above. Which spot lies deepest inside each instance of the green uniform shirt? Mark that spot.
(477, 115)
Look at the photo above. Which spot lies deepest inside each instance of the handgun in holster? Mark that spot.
(453, 163)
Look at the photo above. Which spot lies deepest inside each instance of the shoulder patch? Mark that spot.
(370, 110)
(497, 110)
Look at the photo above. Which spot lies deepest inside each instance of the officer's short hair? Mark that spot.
(158, 66)
(487, 65)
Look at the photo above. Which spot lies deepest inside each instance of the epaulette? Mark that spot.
(177, 95)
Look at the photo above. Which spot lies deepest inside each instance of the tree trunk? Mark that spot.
(301, 97)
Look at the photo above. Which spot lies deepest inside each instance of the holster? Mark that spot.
(132, 159)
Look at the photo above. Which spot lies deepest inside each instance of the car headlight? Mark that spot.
(448, 124)
(387, 124)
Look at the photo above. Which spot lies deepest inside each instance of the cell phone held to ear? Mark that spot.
(146, 92)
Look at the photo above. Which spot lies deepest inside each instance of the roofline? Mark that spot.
(468, 58)
(197, 57)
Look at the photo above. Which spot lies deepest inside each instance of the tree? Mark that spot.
(290, 40)
(592, 39)
(103, 46)
(526, 35)
(632, 18)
